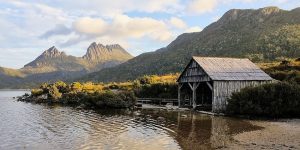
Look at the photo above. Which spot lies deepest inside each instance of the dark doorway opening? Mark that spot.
(204, 97)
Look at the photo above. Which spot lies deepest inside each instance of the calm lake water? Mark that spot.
(33, 126)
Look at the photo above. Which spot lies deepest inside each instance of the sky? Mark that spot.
(29, 27)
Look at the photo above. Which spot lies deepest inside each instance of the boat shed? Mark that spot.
(207, 82)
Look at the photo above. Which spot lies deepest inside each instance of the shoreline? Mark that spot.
(275, 134)
(15, 89)
(280, 134)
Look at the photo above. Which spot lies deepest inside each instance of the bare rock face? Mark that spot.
(43, 59)
(249, 14)
(270, 10)
(52, 52)
(99, 53)
(97, 57)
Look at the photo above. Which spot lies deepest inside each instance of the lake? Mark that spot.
(35, 126)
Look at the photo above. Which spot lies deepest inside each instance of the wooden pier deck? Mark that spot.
(158, 101)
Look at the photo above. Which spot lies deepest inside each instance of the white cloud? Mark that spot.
(138, 27)
(193, 29)
(113, 7)
(92, 26)
(120, 26)
(155, 5)
(178, 23)
(201, 6)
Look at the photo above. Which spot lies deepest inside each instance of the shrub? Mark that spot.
(158, 90)
(44, 87)
(75, 87)
(273, 100)
(122, 99)
(90, 87)
(54, 93)
(36, 92)
(288, 76)
(61, 86)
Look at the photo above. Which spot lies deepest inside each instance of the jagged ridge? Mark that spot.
(54, 65)
(98, 52)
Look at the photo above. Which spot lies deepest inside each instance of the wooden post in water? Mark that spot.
(179, 88)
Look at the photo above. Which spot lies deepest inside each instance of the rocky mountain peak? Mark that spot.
(269, 10)
(114, 46)
(235, 14)
(47, 55)
(52, 52)
(99, 52)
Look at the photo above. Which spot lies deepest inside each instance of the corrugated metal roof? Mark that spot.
(231, 69)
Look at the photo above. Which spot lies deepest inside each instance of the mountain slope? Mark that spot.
(261, 35)
(53, 65)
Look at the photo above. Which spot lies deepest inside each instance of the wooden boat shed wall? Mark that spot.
(210, 81)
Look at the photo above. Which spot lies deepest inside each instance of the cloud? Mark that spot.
(168, 6)
(201, 6)
(178, 23)
(137, 27)
(91, 26)
(74, 39)
(194, 29)
(141, 25)
(59, 29)
(112, 7)
(120, 26)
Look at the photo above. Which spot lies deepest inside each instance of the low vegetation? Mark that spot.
(114, 95)
(279, 99)
(87, 94)
(287, 70)
(157, 86)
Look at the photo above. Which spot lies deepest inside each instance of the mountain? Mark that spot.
(53, 65)
(101, 53)
(265, 34)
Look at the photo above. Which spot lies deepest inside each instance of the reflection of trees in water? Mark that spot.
(193, 131)
(220, 136)
(198, 131)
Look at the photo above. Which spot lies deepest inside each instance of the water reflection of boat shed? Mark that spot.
(207, 82)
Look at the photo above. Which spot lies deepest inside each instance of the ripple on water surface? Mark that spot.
(33, 126)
